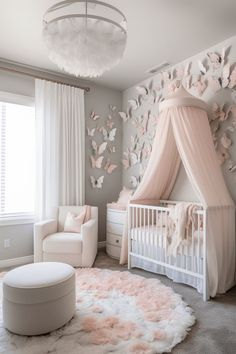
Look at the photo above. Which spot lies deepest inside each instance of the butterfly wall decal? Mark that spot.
(94, 116)
(200, 85)
(99, 149)
(109, 135)
(126, 163)
(109, 122)
(109, 167)
(97, 182)
(112, 149)
(96, 163)
(202, 67)
(112, 108)
(145, 91)
(135, 158)
(125, 116)
(217, 60)
(135, 103)
(134, 181)
(91, 132)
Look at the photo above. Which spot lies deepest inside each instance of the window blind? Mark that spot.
(17, 151)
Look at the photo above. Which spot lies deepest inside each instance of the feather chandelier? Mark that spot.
(85, 38)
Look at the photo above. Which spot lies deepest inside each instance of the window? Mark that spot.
(17, 155)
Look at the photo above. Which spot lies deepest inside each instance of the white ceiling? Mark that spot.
(158, 30)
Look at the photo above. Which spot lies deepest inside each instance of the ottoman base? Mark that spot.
(38, 298)
(36, 319)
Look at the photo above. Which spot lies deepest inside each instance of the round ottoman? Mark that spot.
(38, 298)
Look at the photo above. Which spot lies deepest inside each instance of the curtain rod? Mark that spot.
(86, 89)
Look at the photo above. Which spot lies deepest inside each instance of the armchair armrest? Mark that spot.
(89, 233)
(41, 230)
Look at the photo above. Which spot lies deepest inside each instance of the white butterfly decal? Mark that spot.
(96, 163)
(135, 103)
(134, 141)
(125, 116)
(99, 149)
(112, 149)
(225, 141)
(202, 67)
(112, 108)
(157, 96)
(109, 135)
(110, 167)
(135, 158)
(94, 116)
(97, 183)
(134, 181)
(91, 132)
(225, 77)
(143, 90)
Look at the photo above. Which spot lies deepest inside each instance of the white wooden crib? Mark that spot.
(148, 245)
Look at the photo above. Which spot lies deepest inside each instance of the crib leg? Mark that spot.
(206, 296)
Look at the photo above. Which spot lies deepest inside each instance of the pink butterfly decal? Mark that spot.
(200, 86)
(109, 122)
(94, 116)
(110, 167)
(219, 113)
(126, 163)
(96, 163)
(217, 60)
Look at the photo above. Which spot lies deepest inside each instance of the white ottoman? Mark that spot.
(38, 298)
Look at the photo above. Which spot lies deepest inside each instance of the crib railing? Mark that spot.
(150, 229)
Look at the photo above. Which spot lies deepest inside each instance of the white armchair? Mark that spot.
(52, 244)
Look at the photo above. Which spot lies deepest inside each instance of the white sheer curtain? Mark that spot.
(60, 146)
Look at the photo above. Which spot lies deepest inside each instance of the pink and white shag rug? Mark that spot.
(117, 312)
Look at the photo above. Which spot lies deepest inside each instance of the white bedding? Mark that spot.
(152, 245)
(156, 236)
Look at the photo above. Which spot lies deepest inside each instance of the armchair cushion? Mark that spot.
(63, 242)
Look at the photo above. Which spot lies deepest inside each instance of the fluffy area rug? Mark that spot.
(117, 312)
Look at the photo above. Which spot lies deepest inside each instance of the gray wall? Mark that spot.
(183, 189)
(99, 99)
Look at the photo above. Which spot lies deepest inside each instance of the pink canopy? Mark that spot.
(183, 133)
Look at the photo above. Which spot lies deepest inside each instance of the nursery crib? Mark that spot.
(149, 239)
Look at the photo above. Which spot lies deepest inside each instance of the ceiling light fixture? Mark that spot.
(85, 38)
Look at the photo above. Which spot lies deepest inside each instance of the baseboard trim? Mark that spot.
(101, 244)
(13, 262)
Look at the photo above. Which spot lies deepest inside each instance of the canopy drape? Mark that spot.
(183, 133)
